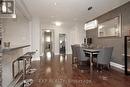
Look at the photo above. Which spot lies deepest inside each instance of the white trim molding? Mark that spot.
(56, 53)
(116, 65)
(35, 58)
(20, 5)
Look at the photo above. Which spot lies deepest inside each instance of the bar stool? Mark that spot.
(26, 60)
(29, 57)
(25, 81)
(30, 54)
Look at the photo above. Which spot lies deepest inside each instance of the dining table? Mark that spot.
(91, 52)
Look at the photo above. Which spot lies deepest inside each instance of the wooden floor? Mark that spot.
(58, 72)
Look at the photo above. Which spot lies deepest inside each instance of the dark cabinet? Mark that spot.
(0, 53)
(127, 54)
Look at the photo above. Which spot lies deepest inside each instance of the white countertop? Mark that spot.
(12, 48)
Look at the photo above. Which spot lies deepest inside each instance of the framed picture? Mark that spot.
(110, 28)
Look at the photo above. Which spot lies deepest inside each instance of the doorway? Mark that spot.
(62, 43)
(47, 43)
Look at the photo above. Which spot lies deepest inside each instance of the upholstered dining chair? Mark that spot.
(81, 55)
(74, 53)
(104, 56)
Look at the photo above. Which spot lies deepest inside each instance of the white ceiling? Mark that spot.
(70, 11)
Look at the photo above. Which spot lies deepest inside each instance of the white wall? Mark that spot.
(16, 31)
(77, 35)
(21, 31)
(57, 31)
(74, 35)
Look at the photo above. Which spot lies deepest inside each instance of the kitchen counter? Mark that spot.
(12, 48)
(8, 56)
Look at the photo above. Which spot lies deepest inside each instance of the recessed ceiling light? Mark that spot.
(14, 16)
(48, 30)
(52, 16)
(90, 8)
(57, 23)
(55, 3)
(75, 19)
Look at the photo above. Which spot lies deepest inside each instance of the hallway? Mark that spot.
(58, 72)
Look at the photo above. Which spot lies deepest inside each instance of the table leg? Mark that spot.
(91, 63)
(13, 69)
(91, 66)
(24, 68)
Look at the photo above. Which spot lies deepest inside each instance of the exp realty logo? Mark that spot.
(7, 7)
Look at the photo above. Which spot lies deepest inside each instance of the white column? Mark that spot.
(35, 37)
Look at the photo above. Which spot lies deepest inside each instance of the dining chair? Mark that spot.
(81, 55)
(74, 53)
(104, 56)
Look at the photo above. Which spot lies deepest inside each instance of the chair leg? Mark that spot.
(108, 66)
(72, 59)
(97, 67)
(75, 60)
(101, 68)
(78, 64)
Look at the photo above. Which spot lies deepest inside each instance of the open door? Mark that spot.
(47, 42)
(62, 43)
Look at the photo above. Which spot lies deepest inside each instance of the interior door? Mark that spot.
(47, 42)
(62, 43)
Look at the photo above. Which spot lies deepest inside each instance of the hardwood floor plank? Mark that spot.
(59, 72)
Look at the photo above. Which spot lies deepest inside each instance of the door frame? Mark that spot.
(42, 40)
(65, 42)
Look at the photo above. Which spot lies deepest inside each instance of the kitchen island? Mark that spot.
(8, 55)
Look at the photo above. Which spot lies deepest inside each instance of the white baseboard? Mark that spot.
(116, 65)
(42, 54)
(36, 59)
(59, 54)
(56, 53)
